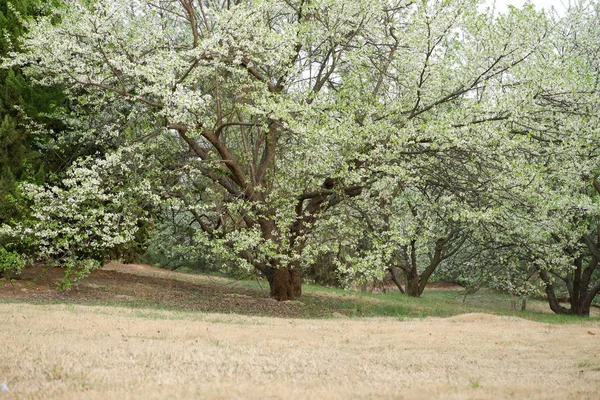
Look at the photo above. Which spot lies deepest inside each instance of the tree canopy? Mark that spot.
(388, 133)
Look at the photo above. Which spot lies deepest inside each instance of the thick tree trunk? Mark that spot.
(285, 283)
(582, 290)
(586, 302)
(580, 305)
(412, 284)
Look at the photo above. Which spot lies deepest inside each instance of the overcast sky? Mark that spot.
(559, 5)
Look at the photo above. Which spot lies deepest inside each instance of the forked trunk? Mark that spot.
(580, 305)
(285, 283)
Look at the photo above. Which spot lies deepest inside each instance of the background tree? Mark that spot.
(22, 105)
(277, 137)
(561, 132)
(24, 109)
(437, 159)
(407, 234)
(262, 119)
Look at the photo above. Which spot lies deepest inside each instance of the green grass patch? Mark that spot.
(250, 297)
(433, 303)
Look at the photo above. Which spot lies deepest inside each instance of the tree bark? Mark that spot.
(395, 280)
(433, 264)
(285, 283)
(580, 306)
(412, 284)
(412, 275)
(553, 301)
(586, 303)
(576, 291)
(551, 295)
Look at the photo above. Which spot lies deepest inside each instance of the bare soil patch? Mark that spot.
(92, 352)
(143, 284)
(444, 286)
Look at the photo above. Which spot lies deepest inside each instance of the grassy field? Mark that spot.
(114, 337)
(146, 287)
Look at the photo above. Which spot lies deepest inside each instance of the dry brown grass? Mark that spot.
(75, 351)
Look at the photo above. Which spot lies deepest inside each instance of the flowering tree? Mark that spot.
(97, 208)
(569, 94)
(555, 220)
(548, 224)
(270, 115)
(395, 229)
(441, 169)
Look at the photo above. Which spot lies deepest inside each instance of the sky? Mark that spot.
(559, 5)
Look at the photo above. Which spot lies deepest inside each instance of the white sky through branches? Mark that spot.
(502, 5)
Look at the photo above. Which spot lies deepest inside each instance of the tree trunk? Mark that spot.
(395, 280)
(551, 294)
(412, 275)
(582, 308)
(586, 302)
(433, 264)
(553, 301)
(582, 290)
(412, 284)
(576, 291)
(285, 283)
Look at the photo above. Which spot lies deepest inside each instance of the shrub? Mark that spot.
(11, 263)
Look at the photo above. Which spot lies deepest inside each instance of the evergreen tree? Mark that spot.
(21, 105)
